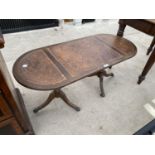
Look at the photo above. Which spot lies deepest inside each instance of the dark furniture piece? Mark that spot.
(144, 25)
(56, 66)
(2, 42)
(147, 67)
(13, 116)
(87, 21)
(17, 25)
(147, 26)
(148, 129)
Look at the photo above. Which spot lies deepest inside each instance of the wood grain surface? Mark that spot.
(58, 65)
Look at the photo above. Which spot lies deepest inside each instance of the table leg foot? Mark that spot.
(67, 101)
(140, 79)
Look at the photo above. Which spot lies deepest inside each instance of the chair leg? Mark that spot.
(151, 46)
(121, 30)
(147, 67)
(57, 93)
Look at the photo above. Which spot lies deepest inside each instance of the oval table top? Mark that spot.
(56, 66)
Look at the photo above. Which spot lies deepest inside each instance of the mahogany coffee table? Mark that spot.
(56, 66)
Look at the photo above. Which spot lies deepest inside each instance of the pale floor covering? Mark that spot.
(125, 108)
